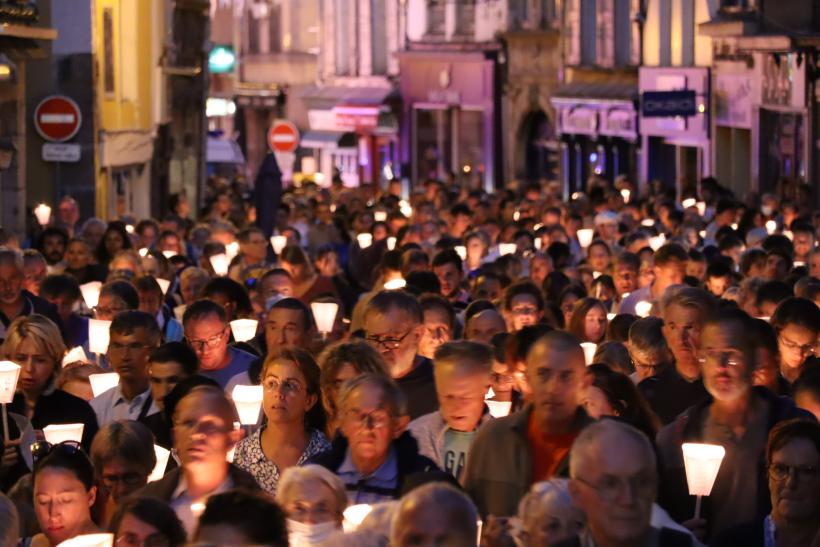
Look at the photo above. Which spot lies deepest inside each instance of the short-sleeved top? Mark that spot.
(240, 361)
(456, 447)
(111, 406)
(250, 457)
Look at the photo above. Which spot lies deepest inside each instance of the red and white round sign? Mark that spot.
(283, 136)
(57, 118)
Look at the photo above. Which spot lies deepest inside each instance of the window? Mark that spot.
(572, 35)
(588, 32)
(436, 17)
(378, 36)
(343, 38)
(605, 33)
(465, 18)
(108, 51)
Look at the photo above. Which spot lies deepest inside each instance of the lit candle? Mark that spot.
(625, 193)
(354, 515)
(643, 308)
(164, 284)
(220, 263)
(380, 216)
(74, 355)
(395, 284)
(43, 214)
(278, 243)
(325, 315)
(91, 293)
(89, 540)
(100, 383)
(248, 402)
(57, 433)
(585, 237)
(391, 243)
(169, 254)
(244, 329)
(405, 208)
(689, 202)
(499, 409)
(537, 242)
(701, 205)
(364, 240)
(771, 226)
(461, 251)
(648, 222)
(162, 455)
(98, 335)
(506, 248)
(232, 249)
(589, 351)
(656, 242)
(143, 252)
(611, 316)
(9, 373)
(702, 463)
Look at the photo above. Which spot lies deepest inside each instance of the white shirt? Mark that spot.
(111, 406)
(189, 509)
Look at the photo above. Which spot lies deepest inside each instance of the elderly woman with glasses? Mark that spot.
(292, 433)
(314, 500)
(123, 457)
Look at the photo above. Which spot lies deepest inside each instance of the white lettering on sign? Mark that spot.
(68, 153)
(278, 137)
(57, 118)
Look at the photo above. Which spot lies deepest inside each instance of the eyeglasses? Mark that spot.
(728, 357)
(108, 312)
(376, 419)
(499, 378)
(287, 387)
(806, 350)
(210, 343)
(127, 479)
(388, 343)
(116, 347)
(611, 487)
(780, 472)
(129, 539)
(41, 449)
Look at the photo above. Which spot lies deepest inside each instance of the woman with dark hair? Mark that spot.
(64, 493)
(566, 300)
(231, 296)
(147, 521)
(307, 284)
(115, 239)
(588, 320)
(613, 394)
(292, 433)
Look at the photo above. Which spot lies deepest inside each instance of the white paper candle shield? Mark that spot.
(499, 409)
(278, 243)
(143, 252)
(91, 293)
(57, 433)
(537, 243)
(625, 193)
(506, 248)
(100, 383)
(89, 540)
(74, 355)
(98, 335)
(405, 208)
(391, 243)
(771, 226)
(701, 205)
(689, 202)
(9, 373)
(130, 228)
(789, 234)
(589, 351)
(220, 263)
(656, 242)
(702, 463)
(179, 311)
(380, 216)
(232, 249)
(365, 240)
(395, 284)
(648, 222)
(643, 308)
(43, 214)
(461, 251)
(585, 237)
(248, 401)
(164, 284)
(354, 515)
(162, 462)
(169, 254)
(243, 329)
(611, 316)
(325, 315)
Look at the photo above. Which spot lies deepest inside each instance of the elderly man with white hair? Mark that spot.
(435, 514)
(614, 480)
(547, 515)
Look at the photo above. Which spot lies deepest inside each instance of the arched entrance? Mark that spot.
(538, 150)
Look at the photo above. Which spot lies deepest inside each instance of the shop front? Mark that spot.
(735, 90)
(597, 124)
(674, 126)
(450, 124)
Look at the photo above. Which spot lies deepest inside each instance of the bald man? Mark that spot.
(483, 326)
(511, 453)
(435, 514)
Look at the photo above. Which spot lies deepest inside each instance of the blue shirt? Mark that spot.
(372, 488)
(240, 361)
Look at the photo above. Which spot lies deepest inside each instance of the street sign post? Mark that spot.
(283, 137)
(57, 118)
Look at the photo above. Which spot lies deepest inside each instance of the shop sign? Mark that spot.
(446, 96)
(619, 122)
(669, 104)
(579, 120)
(358, 117)
(19, 11)
(62, 152)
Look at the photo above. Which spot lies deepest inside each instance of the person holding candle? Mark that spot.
(510, 453)
(34, 343)
(462, 373)
(115, 297)
(151, 300)
(668, 268)
(522, 305)
(133, 335)
(439, 323)
(293, 431)
(588, 322)
(738, 417)
(207, 331)
(64, 292)
(203, 435)
(146, 521)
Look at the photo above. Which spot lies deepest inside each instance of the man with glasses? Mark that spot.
(123, 457)
(393, 324)
(613, 479)
(738, 417)
(133, 334)
(462, 372)
(797, 323)
(203, 435)
(115, 296)
(207, 331)
(374, 456)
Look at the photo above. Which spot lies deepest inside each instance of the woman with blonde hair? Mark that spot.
(34, 343)
(292, 432)
(339, 363)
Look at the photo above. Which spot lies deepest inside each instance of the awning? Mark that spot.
(122, 148)
(329, 96)
(223, 151)
(328, 140)
(599, 92)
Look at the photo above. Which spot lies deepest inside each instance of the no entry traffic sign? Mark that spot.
(57, 118)
(283, 136)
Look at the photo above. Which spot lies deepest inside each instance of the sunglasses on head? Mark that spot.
(41, 449)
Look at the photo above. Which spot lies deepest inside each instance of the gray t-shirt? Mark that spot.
(456, 446)
(240, 361)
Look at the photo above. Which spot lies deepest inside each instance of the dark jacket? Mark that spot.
(749, 534)
(59, 407)
(673, 494)
(34, 304)
(669, 394)
(419, 387)
(499, 467)
(667, 537)
(163, 489)
(411, 464)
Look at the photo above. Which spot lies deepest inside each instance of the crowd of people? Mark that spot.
(437, 366)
